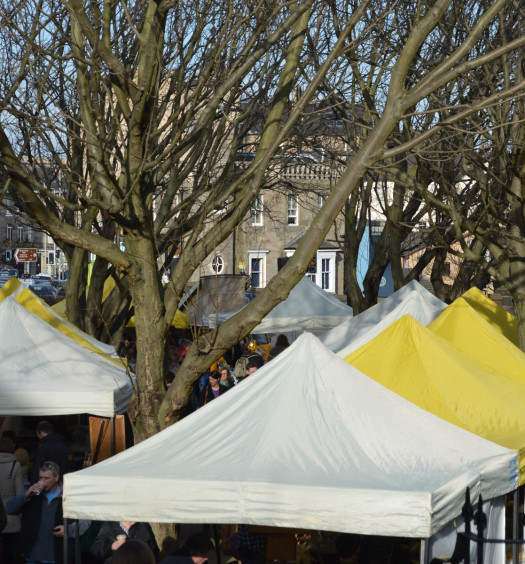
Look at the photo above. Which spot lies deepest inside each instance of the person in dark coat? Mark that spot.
(42, 522)
(281, 344)
(213, 389)
(50, 447)
(113, 534)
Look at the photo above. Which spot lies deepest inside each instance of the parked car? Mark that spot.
(3, 280)
(41, 277)
(45, 292)
(59, 287)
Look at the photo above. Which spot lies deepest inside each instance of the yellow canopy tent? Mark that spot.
(180, 320)
(412, 361)
(467, 330)
(499, 318)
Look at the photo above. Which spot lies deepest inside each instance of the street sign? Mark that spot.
(26, 255)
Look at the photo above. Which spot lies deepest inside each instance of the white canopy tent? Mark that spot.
(305, 442)
(39, 307)
(412, 299)
(46, 373)
(306, 307)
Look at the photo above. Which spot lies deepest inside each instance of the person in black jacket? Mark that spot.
(113, 534)
(50, 447)
(42, 523)
(213, 389)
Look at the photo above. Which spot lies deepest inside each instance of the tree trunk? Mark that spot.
(152, 332)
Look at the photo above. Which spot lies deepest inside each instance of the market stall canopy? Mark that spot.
(35, 305)
(412, 299)
(46, 373)
(467, 330)
(412, 361)
(305, 442)
(180, 320)
(500, 319)
(306, 307)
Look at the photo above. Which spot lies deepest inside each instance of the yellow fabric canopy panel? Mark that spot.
(180, 319)
(500, 319)
(420, 366)
(9, 288)
(469, 331)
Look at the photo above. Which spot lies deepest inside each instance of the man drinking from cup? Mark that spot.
(42, 523)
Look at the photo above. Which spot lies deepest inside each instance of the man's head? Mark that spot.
(250, 368)
(49, 473)
(44, 428)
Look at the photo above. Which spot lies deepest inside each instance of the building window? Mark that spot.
(256, 272)
(293, 211)
(9, 235)
(326, 265)
(217, 264)
(320, 201)
(257, 211)
(20, 230)
(257, 265)
(9, 204)
(325, 273)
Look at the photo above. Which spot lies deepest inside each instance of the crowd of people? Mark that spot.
(238, 364)
(32, 524)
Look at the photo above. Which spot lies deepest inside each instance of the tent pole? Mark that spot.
(515, 507)
(216, 540)
(66, 543)
(516, 533)
(425, 545)
(77, 543)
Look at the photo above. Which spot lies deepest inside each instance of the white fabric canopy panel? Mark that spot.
(46, 373)
(307, 307)
(412, 299)
(306, 442)
(108, 349)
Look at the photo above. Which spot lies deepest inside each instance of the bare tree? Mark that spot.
(142, 106)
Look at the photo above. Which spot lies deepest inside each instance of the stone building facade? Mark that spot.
(279, 217)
